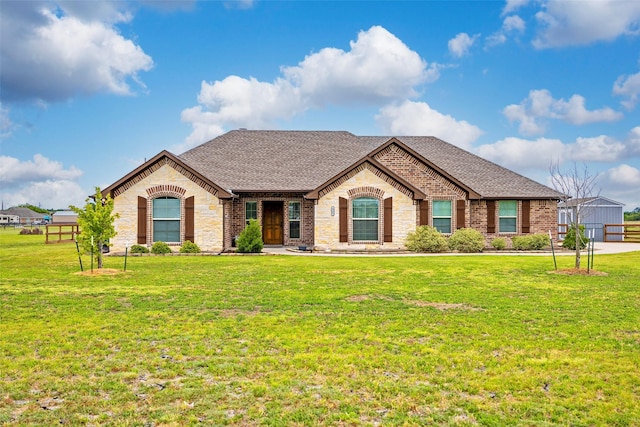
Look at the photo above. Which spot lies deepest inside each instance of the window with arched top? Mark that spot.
(365, 214)
(166, 219)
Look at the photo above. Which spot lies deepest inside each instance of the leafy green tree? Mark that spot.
(96, 223)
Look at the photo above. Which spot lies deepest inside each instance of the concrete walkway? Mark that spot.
(600, 249)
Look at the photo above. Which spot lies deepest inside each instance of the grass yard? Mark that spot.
(268, 340)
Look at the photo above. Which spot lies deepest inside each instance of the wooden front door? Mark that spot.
(272, 223)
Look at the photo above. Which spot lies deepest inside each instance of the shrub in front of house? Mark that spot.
(139, 249)
(250, 239)
(570, 238)
(160, 248)
(499, 243)
(426, 239)
(466, 240)
(188, 247)
(530, 242)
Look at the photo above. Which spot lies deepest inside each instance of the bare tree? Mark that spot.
(579, 185)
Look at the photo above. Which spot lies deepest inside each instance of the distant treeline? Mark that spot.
(634, 215)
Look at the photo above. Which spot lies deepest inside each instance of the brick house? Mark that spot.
(323, 189)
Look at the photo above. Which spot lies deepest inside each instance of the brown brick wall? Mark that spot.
(236, 220)
(437, 187)
(543, 217)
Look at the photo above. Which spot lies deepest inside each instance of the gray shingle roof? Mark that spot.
(246, 160)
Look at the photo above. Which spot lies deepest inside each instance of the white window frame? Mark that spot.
(294, 220)
(449, 217)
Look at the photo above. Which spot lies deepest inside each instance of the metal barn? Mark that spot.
(596, 212)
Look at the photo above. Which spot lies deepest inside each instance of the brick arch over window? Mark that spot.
(385, 213)
(145, 212)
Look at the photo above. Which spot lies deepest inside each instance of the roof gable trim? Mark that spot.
(472, 194)
(380, 170)
(161, 159)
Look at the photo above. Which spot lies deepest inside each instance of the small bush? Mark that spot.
(499, 243)
(160, 248)
(250, 239)
(531, 242)
(26, 231)
(466, 240)
(139, 249)
(188, 247)
(570, 238)
(426, 239)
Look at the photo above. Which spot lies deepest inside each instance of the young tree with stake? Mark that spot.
(581, 186)
(96, 223)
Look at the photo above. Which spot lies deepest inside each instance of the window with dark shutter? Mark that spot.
(388, 219)
(142, 221)
(342, 215)
(460, 213)
(526, 216)
(491, 216)
(189, 225)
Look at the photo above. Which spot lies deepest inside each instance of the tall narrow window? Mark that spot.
(294, 220)
(166, 219)
(442, 215)
(250, 211)
(365, 214)
(507, 215)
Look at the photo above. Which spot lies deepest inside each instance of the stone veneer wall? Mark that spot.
(237, 212)
(327, 232)
(208, 210)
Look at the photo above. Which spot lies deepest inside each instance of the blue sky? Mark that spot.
(90, 89)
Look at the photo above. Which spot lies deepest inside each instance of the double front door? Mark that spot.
(272, 223)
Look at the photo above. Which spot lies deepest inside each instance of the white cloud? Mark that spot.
(50, 194)
(63, 49)
(621, 183)
(418, 118)
(377, 69)
(459, 45)
(625, 175)
(597, 149)
(540, 105)
(39, 181)
(512, 5)
(13, 170)
(513, 23)
(629, 87)
(571, 23)
(522, 154)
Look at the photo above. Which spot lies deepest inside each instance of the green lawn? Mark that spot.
(268, 340)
